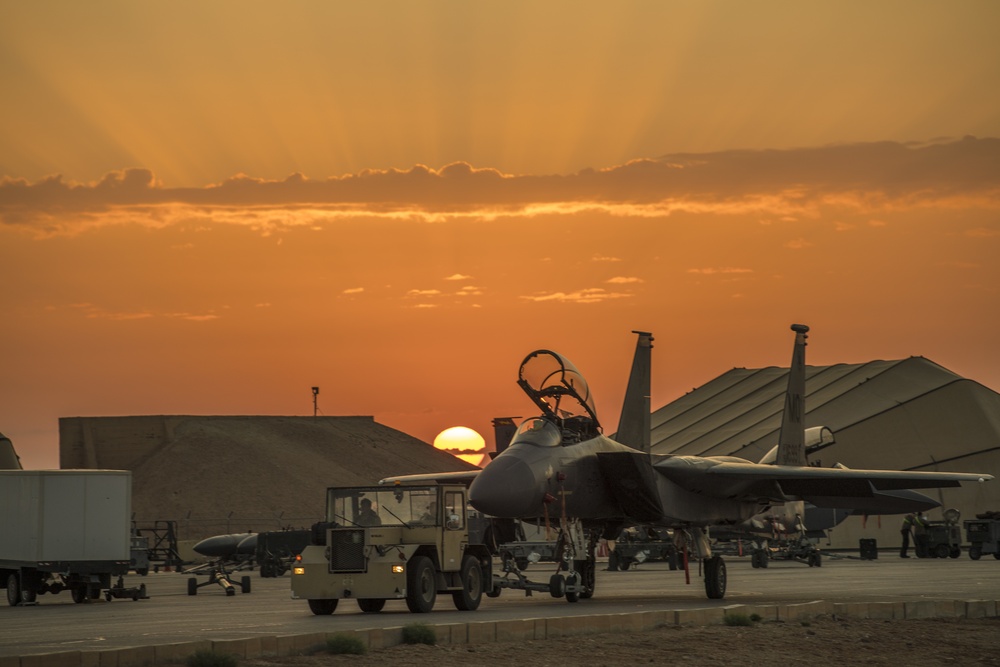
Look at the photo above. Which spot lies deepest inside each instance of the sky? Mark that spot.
(211, 208)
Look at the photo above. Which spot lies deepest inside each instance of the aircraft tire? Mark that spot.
(755, 560)
(192, 586)
(245, 585)
(371, 605)
(471, 595)
(588, 570)
(715, 578)
(323, 607)
(421, 588)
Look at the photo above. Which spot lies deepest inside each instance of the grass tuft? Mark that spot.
(737, 620)
(207, 658)
(418, 633)
(345, 645)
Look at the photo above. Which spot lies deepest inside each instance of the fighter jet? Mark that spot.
(559, 468)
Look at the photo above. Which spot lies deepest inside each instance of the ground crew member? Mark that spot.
(905, 531)
(921, 539)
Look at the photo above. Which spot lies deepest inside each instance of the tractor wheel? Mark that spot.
(471, 595)
(322, 607)
(371, 605)
(421, 585)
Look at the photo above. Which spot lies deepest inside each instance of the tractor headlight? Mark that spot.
(398, 569)
(298, 570)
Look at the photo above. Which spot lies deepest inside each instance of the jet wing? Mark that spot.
(736, 480)
(460, 477)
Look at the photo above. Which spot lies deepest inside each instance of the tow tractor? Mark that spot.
(402, 542)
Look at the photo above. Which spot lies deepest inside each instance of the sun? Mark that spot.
(462, 442)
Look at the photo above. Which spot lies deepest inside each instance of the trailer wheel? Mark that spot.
(942, 551)
(471, 595)
(371, 605)
(557, 586)
(192, 586)
(624, 562)
(421, 587)
(322, 607)
(494, 592)
(715, 578)
(14, 590)
(955, 552)
(975, 551)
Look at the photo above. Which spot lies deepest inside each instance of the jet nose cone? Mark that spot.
(506, 488)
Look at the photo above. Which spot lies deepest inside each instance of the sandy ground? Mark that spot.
(822, 641)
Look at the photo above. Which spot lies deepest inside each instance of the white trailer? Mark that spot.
(65, 530)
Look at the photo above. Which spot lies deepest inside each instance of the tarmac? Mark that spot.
(171, 625)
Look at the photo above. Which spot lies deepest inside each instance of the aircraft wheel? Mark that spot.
(421, 588)
(755, 560)
(975, 552)
(557, 586)
(588, 570)
(14, 590)
(245, 585)
(322, 607)
(765, 558)
(371, 605)
(715, 578)
(996, 555)
(192, 586)
(471, 595)
(612, 561)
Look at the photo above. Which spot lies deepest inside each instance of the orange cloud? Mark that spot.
(785, 184)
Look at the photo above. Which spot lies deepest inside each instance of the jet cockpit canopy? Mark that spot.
(554, 384)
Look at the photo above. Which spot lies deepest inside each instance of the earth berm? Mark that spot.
(825, 640)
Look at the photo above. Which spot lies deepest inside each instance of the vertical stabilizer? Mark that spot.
(633, 425)
(791, 439)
